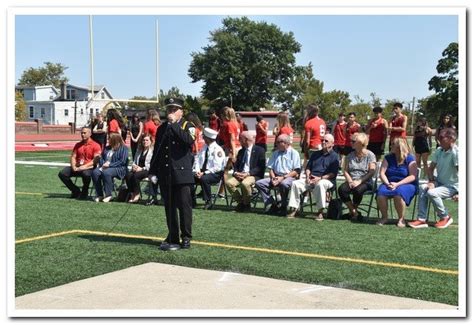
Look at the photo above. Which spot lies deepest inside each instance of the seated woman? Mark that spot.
(140, 167)
(112, 163)
(359, 168)
(398, 174)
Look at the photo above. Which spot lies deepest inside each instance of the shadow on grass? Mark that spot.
(57, 196)
(121, 240)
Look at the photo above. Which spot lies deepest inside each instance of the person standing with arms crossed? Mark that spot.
(172, 164)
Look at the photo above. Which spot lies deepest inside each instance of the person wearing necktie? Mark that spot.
(249, 167)
(209, 165)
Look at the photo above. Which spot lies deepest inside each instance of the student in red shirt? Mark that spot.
(398, 124)
(115, 122)
(351, 128)
(315, 129)
(377, 131)
(152, 123)
(230, 134)
(213, 120)
(198, 137)
(339, 133)
(243, 126)
(82, 164)
(282, 126)
(261, 129)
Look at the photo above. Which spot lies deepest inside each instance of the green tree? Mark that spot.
(248, 63)
(445, 85)
(20, 107)
(49, 74)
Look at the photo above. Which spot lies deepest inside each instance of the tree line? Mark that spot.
(251, 65)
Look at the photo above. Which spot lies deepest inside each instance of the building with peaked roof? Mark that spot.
(66, 105)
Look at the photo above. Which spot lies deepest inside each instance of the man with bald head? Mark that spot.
(248, 168)
(321, 172)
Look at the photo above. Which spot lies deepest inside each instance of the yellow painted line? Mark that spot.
(63, 233)
(29, 193)
(258, 249)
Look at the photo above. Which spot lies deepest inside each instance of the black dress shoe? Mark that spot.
(165, 246)
(75, 195)
(186, 243)
(246, 207)
(239, 207)
(208, 205)
(151, 201)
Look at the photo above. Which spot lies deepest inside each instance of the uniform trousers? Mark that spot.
(178, 200)
(298, 187)
(206, 181)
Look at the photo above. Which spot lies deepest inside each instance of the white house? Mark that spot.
(62, 106)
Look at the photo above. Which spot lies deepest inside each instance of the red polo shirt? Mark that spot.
(85, 151)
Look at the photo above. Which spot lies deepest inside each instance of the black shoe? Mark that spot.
(151, 201)
(246, 207)
(186, 243)
(281, 211)
(239, 207)
(165, 246)
(75, 195)
(83, 196)
(208, 205)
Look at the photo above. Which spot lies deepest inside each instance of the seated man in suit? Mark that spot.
(285, 166)
(209, 165)
(321, 172)
(248, 168)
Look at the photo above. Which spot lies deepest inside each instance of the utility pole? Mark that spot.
(413, 116)
(75, 115)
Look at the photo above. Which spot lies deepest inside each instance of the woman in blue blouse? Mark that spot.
(112, 163)
(398, 175)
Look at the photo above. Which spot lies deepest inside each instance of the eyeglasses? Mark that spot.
(326, 141)
(353, 141)
(83, 132)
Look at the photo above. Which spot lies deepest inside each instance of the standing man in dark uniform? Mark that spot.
(172, 164)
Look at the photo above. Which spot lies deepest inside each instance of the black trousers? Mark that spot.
(344, 192)
(206, 181)
(178, 200)
(66, 174)
(133, 180)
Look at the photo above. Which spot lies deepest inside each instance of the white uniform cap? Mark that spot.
(210, 133)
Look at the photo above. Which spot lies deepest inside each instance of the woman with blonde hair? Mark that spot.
(398, 175)
(283, 126)
(359, 168)
(112, 163)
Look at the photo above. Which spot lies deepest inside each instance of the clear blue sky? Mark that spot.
(393, 56)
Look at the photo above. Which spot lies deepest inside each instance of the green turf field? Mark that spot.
(419, 264)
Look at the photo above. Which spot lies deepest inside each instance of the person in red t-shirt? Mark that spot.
(377, 131)
(398, 125)
(261, 129)
(82, 164)
(213, 120)
(115, 123)
(339, 133)
(351, 128)
(198, 137)
(315, 129)
(152, 123)
(282, 126)
(243, 126)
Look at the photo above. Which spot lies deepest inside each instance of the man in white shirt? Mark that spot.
(209, 165)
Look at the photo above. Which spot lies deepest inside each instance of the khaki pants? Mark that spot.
(245, 187)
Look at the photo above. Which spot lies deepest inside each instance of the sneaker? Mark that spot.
(98, 198)
(107, 199)
(444, 222)
(381, 222)
(418, 224)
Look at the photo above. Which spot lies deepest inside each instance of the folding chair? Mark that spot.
(372, 191)
(414, 200)
(329, 193)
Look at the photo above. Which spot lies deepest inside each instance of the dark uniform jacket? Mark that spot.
(172, 158)
(257, 162)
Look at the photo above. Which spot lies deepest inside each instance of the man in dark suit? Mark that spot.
(172, 164)
(249, 167)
